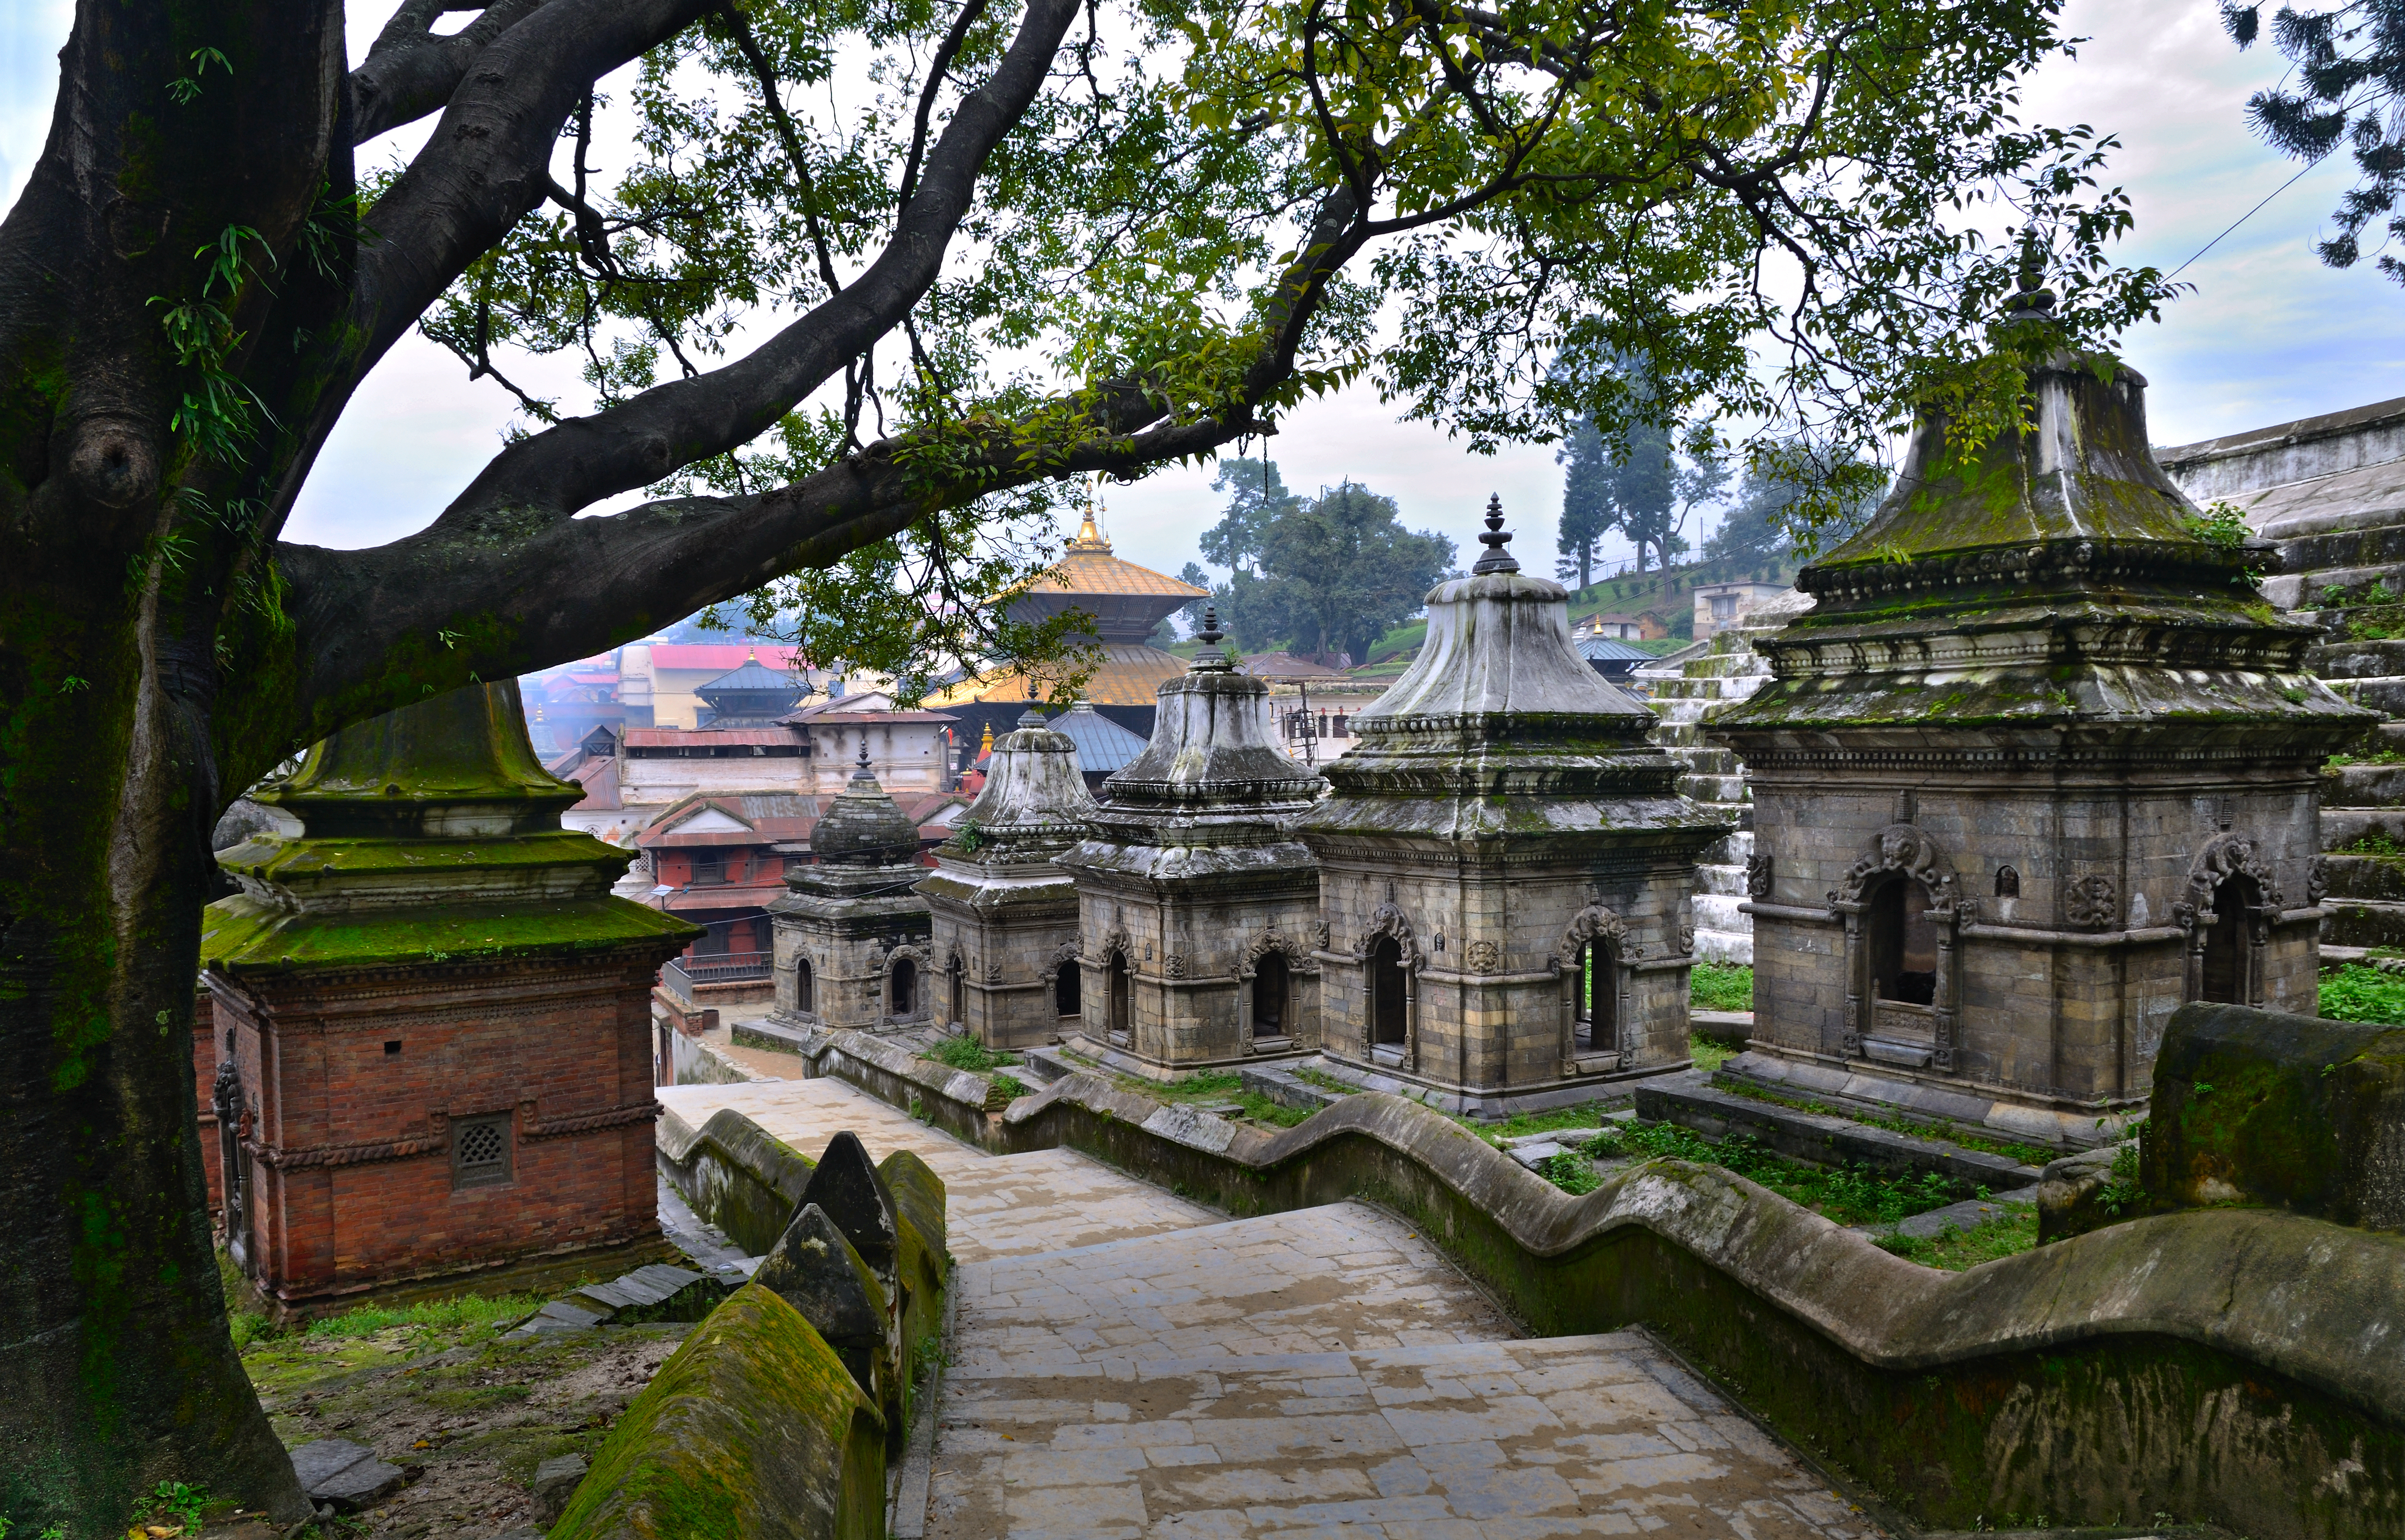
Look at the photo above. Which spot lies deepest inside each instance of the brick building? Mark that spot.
(439, 1022)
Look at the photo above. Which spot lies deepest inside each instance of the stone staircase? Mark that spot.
(1681, 687)
(2328, 493)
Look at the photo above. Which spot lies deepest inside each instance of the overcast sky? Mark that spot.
(2268, 335)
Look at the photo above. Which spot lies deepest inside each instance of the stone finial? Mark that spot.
(2030, 302)
(1496, 538)
(1028, 718)
(1211, 660)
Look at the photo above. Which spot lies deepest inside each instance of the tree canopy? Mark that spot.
(872, 282)
(1335, 572)
(1755, 526)
(2345, 85)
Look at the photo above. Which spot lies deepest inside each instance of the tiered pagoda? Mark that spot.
(749, 697)
(2039, 765)
(1505, 867)
(1126, 603)
(1198, 910)
(1004, 916)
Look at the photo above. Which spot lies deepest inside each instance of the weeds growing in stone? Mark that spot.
(1952, 1250)
(1850, 1195)
(966, 1053)
(1220, 1087)
(1721, 987)
(2357, 993)
(1708, 1056)
(1949, 1132)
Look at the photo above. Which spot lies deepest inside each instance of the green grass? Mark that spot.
(1586, 1114)
(1011, 1086)
(1952, 1250)
(2357, 993)
(2028, 1154)
(1708, 1056)
(1720, 986)
(1850, 1195)
(465, 1312)
(1218, 1087)
(967, 1052)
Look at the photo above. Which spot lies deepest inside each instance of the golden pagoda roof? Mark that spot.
(1087, 567)
(1129, 673)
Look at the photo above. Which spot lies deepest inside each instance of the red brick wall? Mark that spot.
(205, 1074)
(349, 1147)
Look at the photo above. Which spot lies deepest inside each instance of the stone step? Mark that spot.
(2341, 827)
(2384, 695)
(2359, 922)
(1692, 1102)
(1719, 912)
(1730, 948)
(2354, 585)
(2365, 877)
(1735, 850)
(2371, 546)
(1729, 881)
(2358, 659)
(2363, 786)
(1721, 789)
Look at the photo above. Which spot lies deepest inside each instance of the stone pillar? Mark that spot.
(439, 1074)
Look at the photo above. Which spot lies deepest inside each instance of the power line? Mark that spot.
(2243, 219)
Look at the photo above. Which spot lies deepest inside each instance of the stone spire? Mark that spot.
(862, 826)
(1035, 804)
(430, 828)
(1212, 752)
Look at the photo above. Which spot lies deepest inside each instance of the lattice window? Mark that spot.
(480, 1152)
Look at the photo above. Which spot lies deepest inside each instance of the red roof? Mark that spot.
(723, 658)
(708, 738)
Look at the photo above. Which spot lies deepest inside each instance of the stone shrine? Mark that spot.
(1506, 865)
(850, 949)
(2038, 766)
(1004, 916)
(438, 1023)
(1197, 909)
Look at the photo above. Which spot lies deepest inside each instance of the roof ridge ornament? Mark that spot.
(1496, 559)
(1210, 659)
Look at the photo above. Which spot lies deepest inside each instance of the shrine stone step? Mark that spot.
(2365, 877)
(1692, 1102)
(2385, 695)
(2382, 658)
(2363, 786)
(1727, 881)
(2379, 541)
(2344, 830)
(2363, 922)
(1729, 949)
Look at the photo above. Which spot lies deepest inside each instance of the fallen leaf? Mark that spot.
(422, 1444)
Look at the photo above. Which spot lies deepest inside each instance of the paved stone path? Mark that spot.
(1129, 1364)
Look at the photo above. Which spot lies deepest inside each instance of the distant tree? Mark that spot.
(1256, 495)
(1190, 616)
(2349, 75)
(1340, 571)
(1588, 509)
(1758, 525)
(1653, 489)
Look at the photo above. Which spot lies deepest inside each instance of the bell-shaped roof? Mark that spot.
(862, 826)
(1034, 803)
(1212, 746)
(1499, 658)
(2053, 581)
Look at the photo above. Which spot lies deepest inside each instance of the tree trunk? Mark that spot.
(121, 1371)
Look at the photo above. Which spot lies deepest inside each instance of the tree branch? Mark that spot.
(409, 72)
(585, 460)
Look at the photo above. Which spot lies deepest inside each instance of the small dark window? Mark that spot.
(2008, 882)
(1068, 994)
(802, 985)
(480, 1152)
(2226, 943)
(1122, 994)
(960, 992)
(392, 1048)
(1903, 944)
(1593, 1021)
(905, 986)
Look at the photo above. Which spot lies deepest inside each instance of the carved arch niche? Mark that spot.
(1902, 912)
(2227, 909)
(1596, 945)
(1064, 980)
(1390, 956)
(920, 983)
(1283, 960)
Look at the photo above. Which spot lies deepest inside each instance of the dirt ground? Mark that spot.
(468, 1414)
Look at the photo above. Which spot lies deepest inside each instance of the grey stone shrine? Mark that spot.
(1197, 911)
(1505, 866)
(851, 945)
(2038, 766)
(1004, 917)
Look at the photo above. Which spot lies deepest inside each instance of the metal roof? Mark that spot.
(1103, 745)
(753, 678)
(1611, 649)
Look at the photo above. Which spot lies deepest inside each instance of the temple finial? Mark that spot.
(1496, 538)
